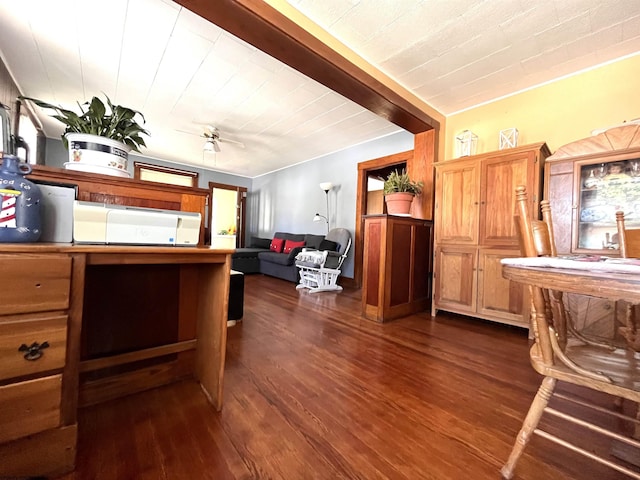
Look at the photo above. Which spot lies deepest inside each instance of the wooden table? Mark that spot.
(615, 281)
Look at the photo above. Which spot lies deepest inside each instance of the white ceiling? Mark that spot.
(183, 72)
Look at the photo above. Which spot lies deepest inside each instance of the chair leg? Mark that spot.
(529, 425)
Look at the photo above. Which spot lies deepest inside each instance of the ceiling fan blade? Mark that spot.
(188, 133)
(235, 142)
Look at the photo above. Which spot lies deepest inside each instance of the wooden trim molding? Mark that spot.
(619, 138)
(421, 169)
(269, 30)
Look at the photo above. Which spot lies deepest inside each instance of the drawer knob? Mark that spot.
(33, 351)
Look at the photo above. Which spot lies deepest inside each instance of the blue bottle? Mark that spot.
(20, 198)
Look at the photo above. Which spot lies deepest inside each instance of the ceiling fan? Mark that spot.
(213, 140)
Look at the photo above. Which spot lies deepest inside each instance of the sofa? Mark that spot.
(283, 264)
(262, 256)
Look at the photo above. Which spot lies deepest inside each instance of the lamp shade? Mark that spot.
(326, 186)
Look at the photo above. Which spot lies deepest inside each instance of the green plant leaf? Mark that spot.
(116, 122)
(401, 182)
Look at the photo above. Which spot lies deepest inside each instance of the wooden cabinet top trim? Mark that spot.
(619, 139)
(540, 146)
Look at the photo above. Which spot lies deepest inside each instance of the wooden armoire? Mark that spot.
(475, 229)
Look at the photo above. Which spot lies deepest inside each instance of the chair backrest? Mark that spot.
(628, 239)
(536, 240)
(342, 237)
(536, 236)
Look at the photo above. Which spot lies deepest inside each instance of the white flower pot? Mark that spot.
(97, 154)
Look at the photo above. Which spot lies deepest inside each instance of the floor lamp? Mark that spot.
(326, 186)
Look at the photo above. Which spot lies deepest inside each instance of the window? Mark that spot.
(173, 176)
(29, 134)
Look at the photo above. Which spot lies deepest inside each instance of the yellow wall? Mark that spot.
(224, 209)
(557, 113)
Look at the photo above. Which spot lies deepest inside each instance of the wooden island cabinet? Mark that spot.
(397, 266)
(475, 229)
(58, 351)
(83, 324)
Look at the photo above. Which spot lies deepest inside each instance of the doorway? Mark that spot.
(227, 211)
(370, 202)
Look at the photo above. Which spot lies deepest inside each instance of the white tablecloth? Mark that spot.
(589, 263)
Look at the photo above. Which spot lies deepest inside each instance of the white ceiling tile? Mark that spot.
(631, 28)
(554, 56)
(570, 29)
(143, 49)
(626, 47)
(522, 27)
(592, 43)
(325, 12)
(183, 56)
(100, 60)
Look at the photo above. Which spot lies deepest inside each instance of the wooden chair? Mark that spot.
(614, 372)
(629, 245)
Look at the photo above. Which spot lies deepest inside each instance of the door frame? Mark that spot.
(361, 202)
(241, 209)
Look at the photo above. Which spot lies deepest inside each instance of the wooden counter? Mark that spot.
(115, 320)
(397, 266)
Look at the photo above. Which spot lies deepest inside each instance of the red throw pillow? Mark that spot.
(290, 245)
(276, 245)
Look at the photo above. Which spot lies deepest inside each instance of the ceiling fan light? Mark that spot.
(209, 146)
(216, 147)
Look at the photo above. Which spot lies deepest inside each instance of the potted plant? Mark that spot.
(399, 191)
(99, 139)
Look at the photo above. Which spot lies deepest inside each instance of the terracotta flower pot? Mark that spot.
(399, 203)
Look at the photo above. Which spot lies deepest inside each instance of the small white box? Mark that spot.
(225, 242)
(467, 142)
(56, 212)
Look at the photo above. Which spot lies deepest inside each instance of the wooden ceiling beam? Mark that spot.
(267, 29)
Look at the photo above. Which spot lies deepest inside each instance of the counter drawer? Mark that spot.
(34, 283)
(29, 407)
(18, 330)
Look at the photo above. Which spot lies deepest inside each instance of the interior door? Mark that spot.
(457, 192)
(455, 281)
(500, 177)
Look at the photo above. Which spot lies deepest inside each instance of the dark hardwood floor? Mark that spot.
(314, 391)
